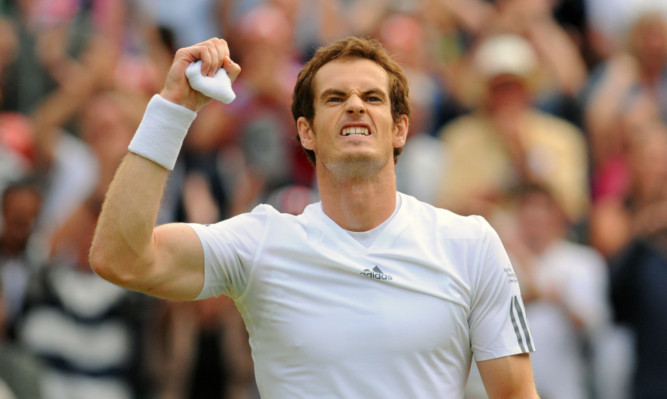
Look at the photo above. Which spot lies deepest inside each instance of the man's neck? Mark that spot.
(359, 205)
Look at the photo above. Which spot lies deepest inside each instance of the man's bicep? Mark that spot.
(178, 272)
(508, 377)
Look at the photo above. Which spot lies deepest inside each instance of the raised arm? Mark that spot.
(128, 250)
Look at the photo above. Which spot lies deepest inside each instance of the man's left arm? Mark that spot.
(508, 377)
(500, 335)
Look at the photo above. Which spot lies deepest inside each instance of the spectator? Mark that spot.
(50, 36)
(507, 141)
(86, 332)
(616, 219)
(69, 304)
(648, 44)
(562, 71)
(564, 284)
(582, 353)
(610, 20)
(638, 278)
(315, 23)
(21, 204)
(629, 85)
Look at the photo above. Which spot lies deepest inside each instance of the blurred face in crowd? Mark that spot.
(107, 128)
(405, 39)
(8, 42)
(540, 220)
(20, 209)
(265, 31)
(649, 42)
(507, 91)
(353, 131)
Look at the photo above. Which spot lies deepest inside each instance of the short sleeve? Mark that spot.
(230, 249)
(498, 323)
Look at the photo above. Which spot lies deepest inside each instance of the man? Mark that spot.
(367, 294)
(507, 141)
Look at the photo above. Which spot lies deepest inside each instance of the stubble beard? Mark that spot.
(355, 167)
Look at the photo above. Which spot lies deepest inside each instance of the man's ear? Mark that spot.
(401, 131)
(306, 134)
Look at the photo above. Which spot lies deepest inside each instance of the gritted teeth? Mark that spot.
(360, 131)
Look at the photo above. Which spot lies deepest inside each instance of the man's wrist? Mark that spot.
(179, 98)
(161, 132)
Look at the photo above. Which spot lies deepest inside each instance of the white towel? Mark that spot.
(218, 87)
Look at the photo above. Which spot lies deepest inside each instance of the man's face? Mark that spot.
(353, 131)
(507, 91)
(20, 211)
(540, 220)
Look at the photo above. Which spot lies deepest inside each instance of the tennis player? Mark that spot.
(369, 293)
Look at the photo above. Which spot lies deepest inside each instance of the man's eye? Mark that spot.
(373, 99)
(334, 100)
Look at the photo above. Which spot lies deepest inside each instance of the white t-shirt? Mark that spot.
(330, 318)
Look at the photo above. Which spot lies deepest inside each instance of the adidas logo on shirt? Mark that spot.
(376, 273)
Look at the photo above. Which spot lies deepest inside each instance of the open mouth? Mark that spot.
(355, 131)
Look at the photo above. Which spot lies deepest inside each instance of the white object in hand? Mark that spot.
(218, 86)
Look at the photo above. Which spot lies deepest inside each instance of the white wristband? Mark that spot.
(162, 131)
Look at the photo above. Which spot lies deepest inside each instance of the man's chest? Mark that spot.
(325, 309)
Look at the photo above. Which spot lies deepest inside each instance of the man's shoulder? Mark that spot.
(277, 219)
(269, 211)
(447, 223)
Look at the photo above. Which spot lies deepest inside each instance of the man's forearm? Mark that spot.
(124, 233)
(123, 243)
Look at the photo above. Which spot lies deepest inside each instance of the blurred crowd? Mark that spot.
(548, 117)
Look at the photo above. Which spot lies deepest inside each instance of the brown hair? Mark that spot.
(303, 98)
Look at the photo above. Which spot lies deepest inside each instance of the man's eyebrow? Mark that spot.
(338, 92)
(332, 92)
(376, 92)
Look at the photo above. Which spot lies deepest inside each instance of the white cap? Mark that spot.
(505, 54)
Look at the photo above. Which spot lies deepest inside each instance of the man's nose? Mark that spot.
(355, 105)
